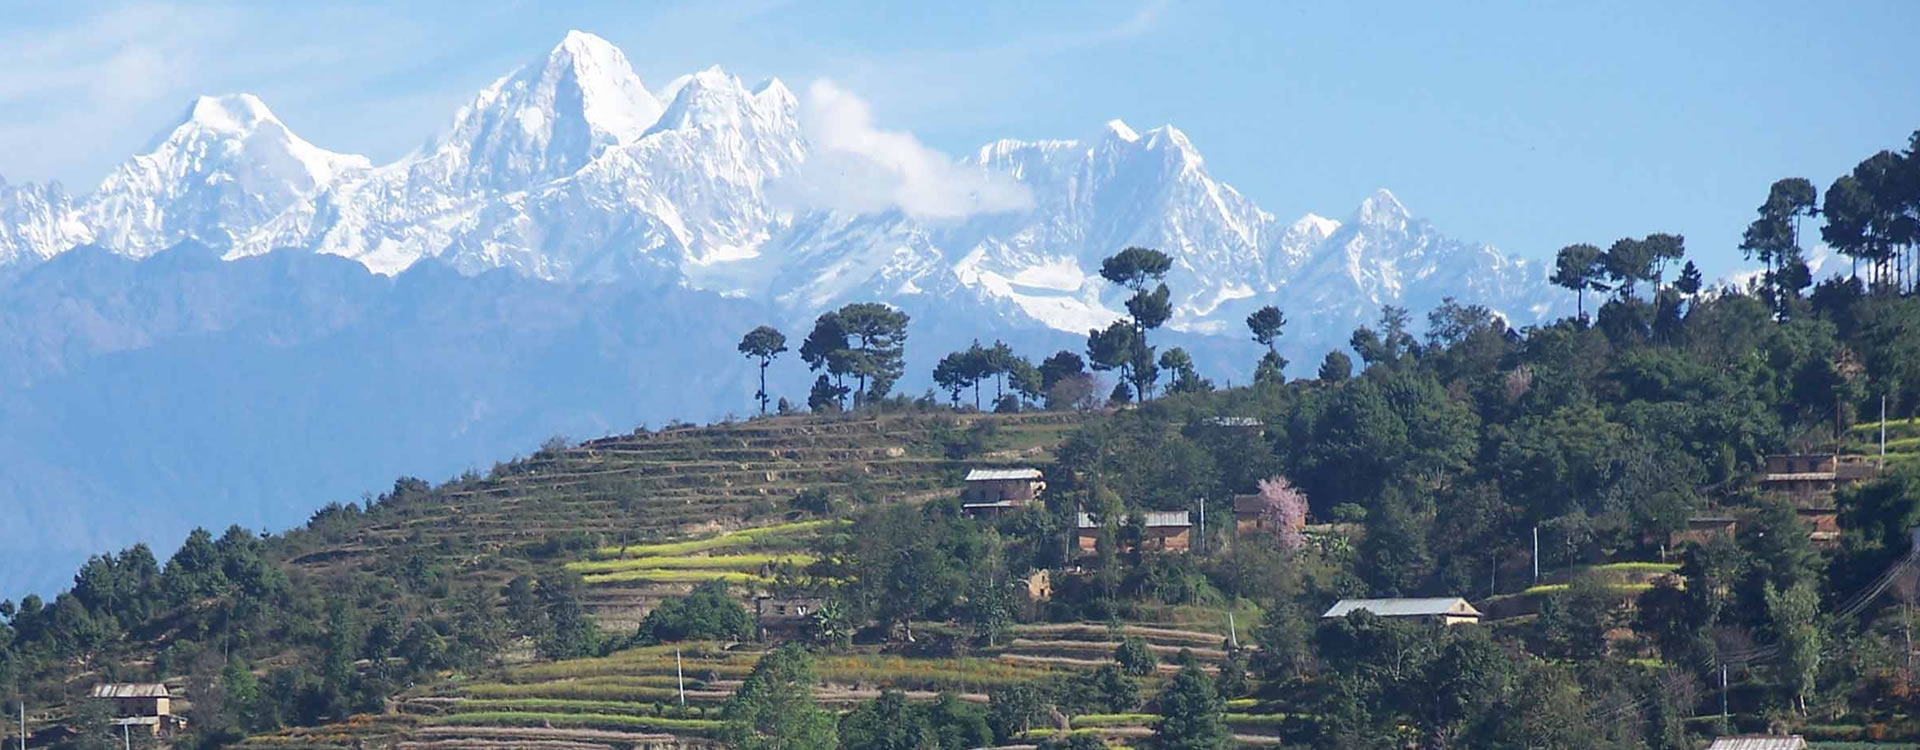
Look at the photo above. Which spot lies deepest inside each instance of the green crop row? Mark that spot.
(928, 674)
(1553, 588)
(574, 691)
(730, 539)
(675, 576)
(554, 705)
(632, 672)
(1085, 721)
(1637, 567)
(582, 721)
(749, 562)
(1873, 428)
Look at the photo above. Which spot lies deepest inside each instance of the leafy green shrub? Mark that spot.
(1135, 657)
(709, 612)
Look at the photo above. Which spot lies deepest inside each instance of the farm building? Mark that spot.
(148, 706)
(1038, 585)
(1167, 531)
(992, 491)
(1248, 512)
(1759, 742)
(1811, 474)
(785, 616)
(1444, 610)
(1702, 530)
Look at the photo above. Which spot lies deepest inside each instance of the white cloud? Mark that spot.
(859, 168)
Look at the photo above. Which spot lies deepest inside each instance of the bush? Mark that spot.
(1135, 657)
(813, 500)
(707, 613)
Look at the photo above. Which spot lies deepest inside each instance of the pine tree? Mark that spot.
(1192, 716)
(763, 343)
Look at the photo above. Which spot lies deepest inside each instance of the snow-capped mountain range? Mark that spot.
(570, 169)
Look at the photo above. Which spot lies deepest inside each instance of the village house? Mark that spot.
(144, 706)
(1702, 530)
(1443, 610)
(1038, 585)
(785, 616)
(989, 492)
(1249, 515)
(1808, 475)
(1167, 531)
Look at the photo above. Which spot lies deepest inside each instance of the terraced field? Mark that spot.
(642, 517)
(1625, 578)
(634, 698)
(1903, 441)
(677, 493)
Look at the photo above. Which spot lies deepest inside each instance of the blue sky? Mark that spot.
(1527, 125)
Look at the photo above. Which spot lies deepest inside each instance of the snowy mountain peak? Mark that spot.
(714, 97)
(227, 168)
(548, 118)
(773, 89)
(569, 169)
(38, 221)
(1315, 225)
(1382, 209)
(586, 44)
(231, 113)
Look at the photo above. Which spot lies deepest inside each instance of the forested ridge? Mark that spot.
(1429, 463)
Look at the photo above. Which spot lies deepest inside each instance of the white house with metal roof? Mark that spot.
(1446, 610)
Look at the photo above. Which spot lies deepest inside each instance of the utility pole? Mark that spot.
(1536, 555)
(1233, 633)
(1723, 694)
(1203, 525)
(23, 724)
(1883, 432)
(680, 675)
(126, 736)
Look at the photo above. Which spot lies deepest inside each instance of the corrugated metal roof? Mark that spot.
(131, 690)
(1794, 742)
(1232, 421)
(1431, 607)
(988, 475)
(1800, 476)
(1155, 519)
(1248, 503)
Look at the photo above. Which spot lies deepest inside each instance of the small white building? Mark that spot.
(1446, 610)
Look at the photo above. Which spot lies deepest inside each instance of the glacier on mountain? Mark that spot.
(570, 169)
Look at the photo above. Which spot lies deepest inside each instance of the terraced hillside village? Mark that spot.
(1663, 523)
